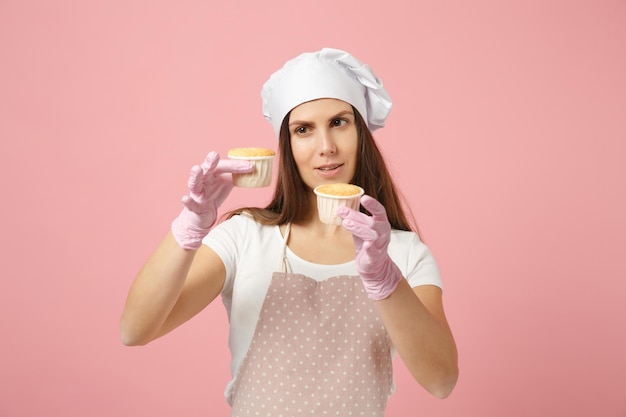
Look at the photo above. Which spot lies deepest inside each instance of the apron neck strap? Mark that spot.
(283, 264)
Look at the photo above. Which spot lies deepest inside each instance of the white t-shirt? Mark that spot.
(251, 253)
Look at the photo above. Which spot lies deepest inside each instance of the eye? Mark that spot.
(301, 130)
(338, 122)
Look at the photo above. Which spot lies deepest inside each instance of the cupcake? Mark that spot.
(262, 159)
(331, 196)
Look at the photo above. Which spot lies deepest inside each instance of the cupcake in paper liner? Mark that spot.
(262, 159)
(331, 196)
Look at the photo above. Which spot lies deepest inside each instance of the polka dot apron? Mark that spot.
(319, 349)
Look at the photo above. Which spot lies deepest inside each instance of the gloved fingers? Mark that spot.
(360, 229)
(210, 162)
(347, 213)
(375, 208)
(196, 179)
(359, 224)
(230, 166)
(213, 171)
(191, 204)
(199, 173)
(368, 256)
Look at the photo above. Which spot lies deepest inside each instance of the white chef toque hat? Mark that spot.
(329, 73)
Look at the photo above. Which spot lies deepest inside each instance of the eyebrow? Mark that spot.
(340, 114)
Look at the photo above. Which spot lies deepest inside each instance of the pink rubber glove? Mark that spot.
(371, 235)
(209, 184)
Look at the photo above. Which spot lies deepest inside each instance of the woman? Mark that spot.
(316, 310)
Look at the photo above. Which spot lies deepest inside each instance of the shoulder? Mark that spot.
(241, 225)
(403, 239)
(242, 239)
(407, 244)
(414, 258)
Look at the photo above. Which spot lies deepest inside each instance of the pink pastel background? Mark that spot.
(508, 137)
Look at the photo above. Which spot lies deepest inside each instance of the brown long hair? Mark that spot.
(371, 174)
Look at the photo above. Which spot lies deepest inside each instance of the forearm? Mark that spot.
(154, 292)
(424, 342)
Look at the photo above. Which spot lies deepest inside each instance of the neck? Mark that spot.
(316, 229)
(313, 226)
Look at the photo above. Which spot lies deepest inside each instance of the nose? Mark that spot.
(327, 142)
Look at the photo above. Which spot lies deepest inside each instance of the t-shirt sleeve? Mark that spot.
(415, 260)
(225, 239)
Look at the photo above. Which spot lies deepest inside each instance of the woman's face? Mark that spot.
(324, 141)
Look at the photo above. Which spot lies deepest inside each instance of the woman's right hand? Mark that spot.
(209, 184)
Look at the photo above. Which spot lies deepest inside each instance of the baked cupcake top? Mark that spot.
(339, 190)
(250, 152)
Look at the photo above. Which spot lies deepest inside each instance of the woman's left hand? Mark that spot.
(371, 235)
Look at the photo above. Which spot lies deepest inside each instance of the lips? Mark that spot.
(328, 167)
